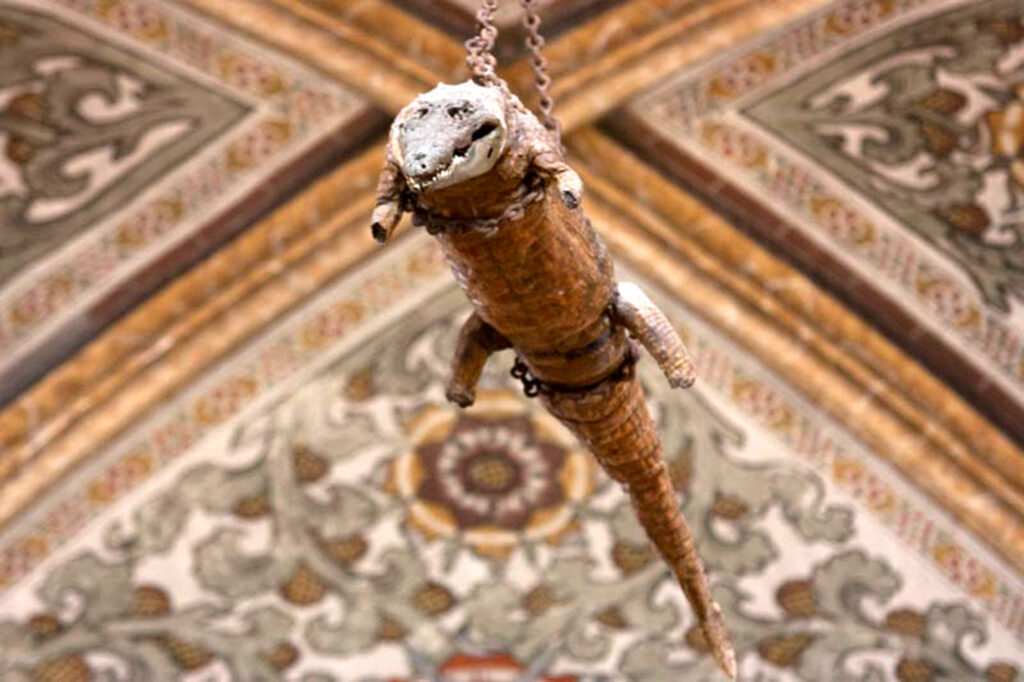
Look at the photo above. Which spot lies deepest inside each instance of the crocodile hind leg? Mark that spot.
(477, 341)
(648, 325)
(613, 421)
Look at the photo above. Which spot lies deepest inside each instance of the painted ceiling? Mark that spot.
(225, 452)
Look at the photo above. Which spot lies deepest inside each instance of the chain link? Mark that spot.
(484, 67)
(531, 191)
(542, 81)
(480, 48)
(532, 386)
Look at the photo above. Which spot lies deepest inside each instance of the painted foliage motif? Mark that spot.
(127, 127)
(885, 131)
(85, 126)
(364, 529)
(928, 121)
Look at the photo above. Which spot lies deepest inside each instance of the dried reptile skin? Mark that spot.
(542, 283)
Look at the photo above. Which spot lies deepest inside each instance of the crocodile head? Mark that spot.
(449, 135)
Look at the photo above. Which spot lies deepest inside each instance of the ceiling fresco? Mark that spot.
(225, 452)
(886, 139)
(137, 138)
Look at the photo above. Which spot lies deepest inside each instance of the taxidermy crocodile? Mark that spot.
(481, 173)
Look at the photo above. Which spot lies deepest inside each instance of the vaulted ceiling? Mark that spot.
(831, 194)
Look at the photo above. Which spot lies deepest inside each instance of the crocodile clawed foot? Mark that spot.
(682, 377)
(460, 395)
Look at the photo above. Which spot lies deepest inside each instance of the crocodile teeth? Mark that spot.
(422, 182)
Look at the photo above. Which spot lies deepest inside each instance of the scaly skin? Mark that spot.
(542, 283)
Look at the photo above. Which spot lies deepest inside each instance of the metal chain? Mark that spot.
(484, 67)
(532, 386)
(531, 191)
(480, 48)
(542, 81)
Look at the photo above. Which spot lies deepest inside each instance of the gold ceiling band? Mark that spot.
(810, 310)
(650, 45)
(317, 256)
(896, 428)
(384, 73)
(157, 348)
(171, 338)
(591, 91)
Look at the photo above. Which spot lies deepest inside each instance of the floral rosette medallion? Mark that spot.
(495, 477)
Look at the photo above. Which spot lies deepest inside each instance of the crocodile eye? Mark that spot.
(422, 112)
(483, 131)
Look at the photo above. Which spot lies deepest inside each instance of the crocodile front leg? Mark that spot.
(477, 341)
(645, 321)
(548, 163)
(388, 211)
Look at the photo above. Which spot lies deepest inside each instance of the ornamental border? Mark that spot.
(688, 109)
(813, 440)
(275, 359)
(889, 252)
(305, 339)
(300, 108)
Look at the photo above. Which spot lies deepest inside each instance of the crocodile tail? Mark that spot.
(613, 422)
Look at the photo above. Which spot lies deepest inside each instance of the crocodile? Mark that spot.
(481, 173)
